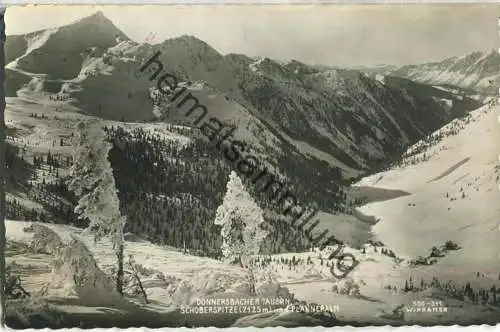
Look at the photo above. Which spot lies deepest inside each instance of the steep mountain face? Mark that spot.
(60, 52)
(344, 114)
(16, 46)
(478, 71)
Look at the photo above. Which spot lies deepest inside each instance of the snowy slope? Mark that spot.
(189, 278)
(193, 277)
(452, 180)
(477, 71)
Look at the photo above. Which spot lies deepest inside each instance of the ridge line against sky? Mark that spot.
(330, 35)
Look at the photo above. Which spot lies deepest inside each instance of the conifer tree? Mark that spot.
(93, 182)
(241, 220)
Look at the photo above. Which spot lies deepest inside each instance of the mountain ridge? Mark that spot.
(477, 71)
(286, 96)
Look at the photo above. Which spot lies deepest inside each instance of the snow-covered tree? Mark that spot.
(241, 220)
(92, 180)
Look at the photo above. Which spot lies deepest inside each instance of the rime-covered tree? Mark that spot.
(93, 182)
(241, 220)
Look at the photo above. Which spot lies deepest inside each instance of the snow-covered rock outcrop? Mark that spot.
(216, 283)
(45, 240)
(76, 273)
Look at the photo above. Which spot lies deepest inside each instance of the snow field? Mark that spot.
(453, 196)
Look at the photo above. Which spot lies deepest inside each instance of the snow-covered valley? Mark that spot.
(120, 214)
(453, 183)
(425, 180)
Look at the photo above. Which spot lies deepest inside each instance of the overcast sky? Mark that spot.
(344, 35)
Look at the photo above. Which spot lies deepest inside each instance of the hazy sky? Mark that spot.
(321, 34)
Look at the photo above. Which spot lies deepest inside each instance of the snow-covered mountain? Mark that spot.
(424, 158)
(477, 71)
(342, 117)
(60, 52)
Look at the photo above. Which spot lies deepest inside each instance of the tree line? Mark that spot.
(170, 192)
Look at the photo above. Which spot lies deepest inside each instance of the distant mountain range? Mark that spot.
(478, 71)
(344, 117)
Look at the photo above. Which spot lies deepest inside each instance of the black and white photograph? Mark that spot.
(252, 165)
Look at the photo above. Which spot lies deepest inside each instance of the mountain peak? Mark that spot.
(98, 13)
(100, 22)
(490, 63)
(193, 44)
(191, 38)
(96, 18)
(493, 53)
(300, 67)
(192, 41)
